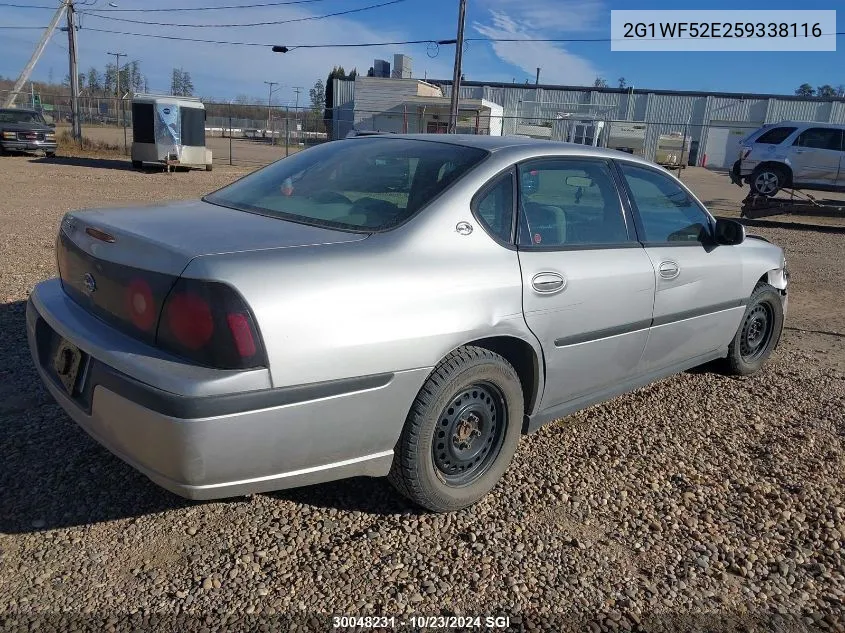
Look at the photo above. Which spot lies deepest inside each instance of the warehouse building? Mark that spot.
(668, 127)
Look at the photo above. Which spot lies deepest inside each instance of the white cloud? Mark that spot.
(543, 20)
(567, 15)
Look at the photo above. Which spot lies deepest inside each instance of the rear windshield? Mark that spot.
(20, 116)
(776, 136)
(370, 184)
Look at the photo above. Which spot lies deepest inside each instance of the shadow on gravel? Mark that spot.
(52, 475)
(81, 161)
(371, 495)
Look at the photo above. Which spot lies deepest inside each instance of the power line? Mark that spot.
(229, 6)
(351, 45)
(213, 26)
(24, 27)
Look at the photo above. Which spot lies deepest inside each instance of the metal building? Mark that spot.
(381, 68)
(697, 128)
(401, 67)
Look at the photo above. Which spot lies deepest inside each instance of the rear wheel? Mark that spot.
(50, 154)
(137, 164)
(758, 333)
(767, 180)
(461, 432)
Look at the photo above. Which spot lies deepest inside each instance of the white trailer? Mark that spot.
(170, 131)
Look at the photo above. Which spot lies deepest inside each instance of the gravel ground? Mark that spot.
(701, 502)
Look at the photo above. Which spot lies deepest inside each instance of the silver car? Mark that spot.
(398, 305)
(793, 154)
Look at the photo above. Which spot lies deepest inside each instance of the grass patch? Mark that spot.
(69, 146)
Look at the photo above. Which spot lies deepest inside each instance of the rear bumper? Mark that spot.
(210, 447)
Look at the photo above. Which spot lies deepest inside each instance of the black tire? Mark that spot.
(759, 332)
(208, 167)
(50, 154)
(480, 434)
(767, 180)
(137, 164)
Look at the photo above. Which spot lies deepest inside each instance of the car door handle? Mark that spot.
(669, 270)
(546, 283)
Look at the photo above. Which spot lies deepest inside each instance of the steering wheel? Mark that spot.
(330, 197)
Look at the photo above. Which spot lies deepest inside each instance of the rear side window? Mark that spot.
(820, 138)
(569, 202)
(776, 136)
(495, 208)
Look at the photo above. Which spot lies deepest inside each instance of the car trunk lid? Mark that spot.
(121, 263)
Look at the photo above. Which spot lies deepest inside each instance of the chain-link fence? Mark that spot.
(254, 134)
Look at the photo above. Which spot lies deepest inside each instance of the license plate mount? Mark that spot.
(67, 362)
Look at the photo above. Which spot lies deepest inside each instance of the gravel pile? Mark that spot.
(698, 503)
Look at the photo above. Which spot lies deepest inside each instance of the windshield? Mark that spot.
(366, 183)
(20, 116)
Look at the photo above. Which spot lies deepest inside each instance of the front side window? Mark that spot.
(495, 208)
(776, 136)
(668, 213)
(569, 202)
(820, 138)
(368, 184)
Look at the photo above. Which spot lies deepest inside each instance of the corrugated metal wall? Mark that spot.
(667, 114)
(800, 110)
(664, 113)
(343, 111)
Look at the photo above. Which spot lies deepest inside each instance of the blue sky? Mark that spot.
(222, 71)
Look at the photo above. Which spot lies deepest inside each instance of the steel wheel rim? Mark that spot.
(756, 332)
(469, 434)
(767, 182)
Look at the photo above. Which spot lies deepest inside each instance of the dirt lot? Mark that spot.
(700, 502)
(242, 151)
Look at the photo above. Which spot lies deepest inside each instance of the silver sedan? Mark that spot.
(402, 306)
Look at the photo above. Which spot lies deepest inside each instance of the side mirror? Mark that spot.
(729, 232)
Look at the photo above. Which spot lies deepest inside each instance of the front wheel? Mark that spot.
(758, 333)
(767, 181)
(461, 432)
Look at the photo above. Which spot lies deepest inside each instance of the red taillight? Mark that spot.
(189, 320)
(209, 323)
(242, 333)
(140, 305)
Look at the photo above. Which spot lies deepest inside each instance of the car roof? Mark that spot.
(522, 145)
(27, 110)
(807, 124)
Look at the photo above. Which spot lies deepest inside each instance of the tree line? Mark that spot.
(824, 92)
(104, 82)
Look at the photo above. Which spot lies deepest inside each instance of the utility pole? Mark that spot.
(456, 80)
(537, 80)
(76, 130)
(297, 90)
(117, 57)
(269, 100)
(36, 55)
